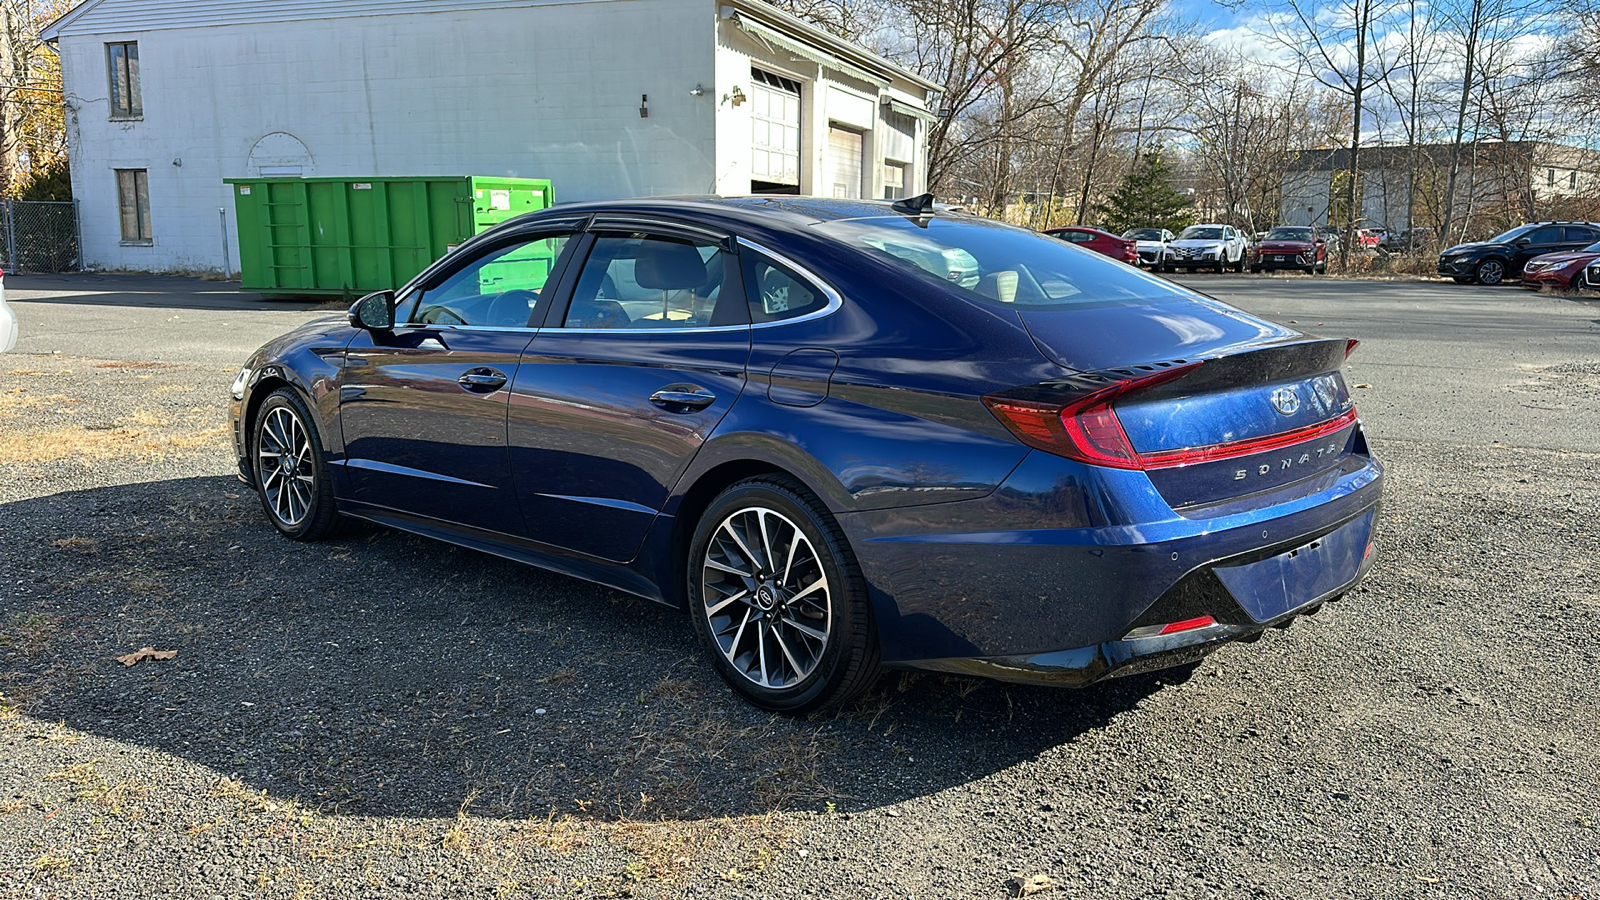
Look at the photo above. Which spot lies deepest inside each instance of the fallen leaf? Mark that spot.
(1363, 385)
(144, 653)
(231, 496)
(1032, 884)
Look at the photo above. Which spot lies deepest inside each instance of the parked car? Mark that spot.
(1290, 247)
(1562, 271)
(1503, 256)
(1407, 240)
(1371, 238)
(768, 413)
(1099, 241)
(1211, 246)
(8, 320)
(1152, 245)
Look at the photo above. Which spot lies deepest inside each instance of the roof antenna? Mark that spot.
(920, 205)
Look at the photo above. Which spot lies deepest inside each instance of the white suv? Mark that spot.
(1213, 246)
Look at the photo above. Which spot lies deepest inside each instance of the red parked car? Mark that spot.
(1291, 247)
(1098, 241)
(1562, 270)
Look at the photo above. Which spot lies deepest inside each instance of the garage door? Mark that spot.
(775, 143)
(844, 162)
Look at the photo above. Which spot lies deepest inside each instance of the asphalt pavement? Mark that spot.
(385, 716)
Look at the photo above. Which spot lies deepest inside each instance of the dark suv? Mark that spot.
(1502, 257)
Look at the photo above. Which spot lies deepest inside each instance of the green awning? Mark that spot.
(777, 39)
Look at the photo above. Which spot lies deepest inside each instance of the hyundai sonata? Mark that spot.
(794, 420)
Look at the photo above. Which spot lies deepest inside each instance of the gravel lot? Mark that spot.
(386, 716)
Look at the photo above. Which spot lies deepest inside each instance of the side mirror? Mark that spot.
(1523, 242)
(374, 312)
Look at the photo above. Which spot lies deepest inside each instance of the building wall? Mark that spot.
(827, 98)
(548, 91)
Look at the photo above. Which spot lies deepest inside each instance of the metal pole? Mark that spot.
(227, 260)
(11, 235)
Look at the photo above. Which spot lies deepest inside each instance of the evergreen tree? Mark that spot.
(1146, 199)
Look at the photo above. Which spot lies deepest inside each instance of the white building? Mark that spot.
(607, 98)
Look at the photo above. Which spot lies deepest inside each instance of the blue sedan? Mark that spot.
(841, 435)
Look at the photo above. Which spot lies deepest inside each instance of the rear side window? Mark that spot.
(1000, 264)
(777, 292)
(1580, 234)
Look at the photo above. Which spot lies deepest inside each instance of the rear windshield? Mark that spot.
(1000, 264)
(1196, 232)
(1289, 234)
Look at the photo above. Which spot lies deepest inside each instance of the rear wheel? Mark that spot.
(778, 600)
(290, 474)
(1490, 272)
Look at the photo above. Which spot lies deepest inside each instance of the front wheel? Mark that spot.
(778, 600)
(1490, 272)
(290, 475)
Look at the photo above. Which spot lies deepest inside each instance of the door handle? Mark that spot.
(482, 380)
(674, 399)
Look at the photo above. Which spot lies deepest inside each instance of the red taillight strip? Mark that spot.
(1167, 459)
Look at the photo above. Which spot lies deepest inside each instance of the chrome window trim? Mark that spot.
(834, 300)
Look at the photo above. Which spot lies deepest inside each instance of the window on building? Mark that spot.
(1572, 180)
(894, 180)
(133, 197)
(1550, 177)
(124, 64)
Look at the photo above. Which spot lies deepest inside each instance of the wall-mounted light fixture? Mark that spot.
(698, 90)
(644, 106)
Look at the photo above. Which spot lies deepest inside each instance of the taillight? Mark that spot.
(1087, 429)
(1350, 347)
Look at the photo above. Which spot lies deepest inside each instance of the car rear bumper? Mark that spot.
(1194, 596)
(1059, 563)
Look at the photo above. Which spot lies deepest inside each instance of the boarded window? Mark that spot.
(124, 62)
(133, 200)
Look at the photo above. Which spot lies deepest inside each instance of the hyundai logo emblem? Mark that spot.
(1286, 401)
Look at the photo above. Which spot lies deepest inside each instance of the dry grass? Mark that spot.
(132, 364)
(89, 445)
(29, 633)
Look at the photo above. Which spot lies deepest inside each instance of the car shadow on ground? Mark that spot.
(383, 674)
(149, 291)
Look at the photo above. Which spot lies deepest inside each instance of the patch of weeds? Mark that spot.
(84, 545)
(29, 633)
(459, 835)
(556, 834)
(53, 865)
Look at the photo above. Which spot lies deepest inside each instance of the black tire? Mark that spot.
(1222, 263)
(847, 660)
(1238, 267)
(305, 513)
(1490, 272)
(1255, 270)
(1311, 269)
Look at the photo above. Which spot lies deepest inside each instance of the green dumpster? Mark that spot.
(351, 236)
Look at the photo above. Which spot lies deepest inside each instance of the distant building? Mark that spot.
(1517, 178)
(608, 98)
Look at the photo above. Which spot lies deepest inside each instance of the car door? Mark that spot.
(1544, 239)
(625, 383)
(1234, 247)
(423, 407)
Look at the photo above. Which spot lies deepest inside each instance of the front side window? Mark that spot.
(123, 59)
(133, 201)
(503, 288)
(989, 261)
(1550, 234)
(636, 280)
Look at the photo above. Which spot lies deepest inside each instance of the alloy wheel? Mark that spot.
(284, 466)
(1490, 272)
(766, 596)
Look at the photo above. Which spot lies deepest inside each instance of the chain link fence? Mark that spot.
(39, 236)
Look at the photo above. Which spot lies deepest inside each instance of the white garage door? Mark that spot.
(775, 143)
(844, 162)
